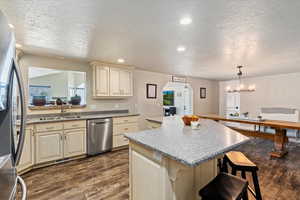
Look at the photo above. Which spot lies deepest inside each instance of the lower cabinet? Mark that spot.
(59, 140)
(27, 156)
(123, 125)
(74, 142)
(56, 145)
(140, 166)
(49, 146)
(119, 140)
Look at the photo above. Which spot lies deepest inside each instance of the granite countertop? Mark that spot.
(190, 147)
(82, 116)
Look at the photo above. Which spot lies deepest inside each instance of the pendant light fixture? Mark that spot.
(241, 87)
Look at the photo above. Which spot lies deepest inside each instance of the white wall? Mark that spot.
(138, 103)
(271, 91)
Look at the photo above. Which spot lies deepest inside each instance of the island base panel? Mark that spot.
(155, 176)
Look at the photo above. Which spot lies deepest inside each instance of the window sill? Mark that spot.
(55, 107)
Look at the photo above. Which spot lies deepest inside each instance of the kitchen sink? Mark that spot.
(59, 118)
(50, 118)
(72, 117)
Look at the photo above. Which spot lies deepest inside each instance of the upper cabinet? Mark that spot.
(101, 80)
(113, 81)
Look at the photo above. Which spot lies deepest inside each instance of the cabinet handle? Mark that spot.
(49, 128)
(61, 137)
(126, 129)
(65, 137)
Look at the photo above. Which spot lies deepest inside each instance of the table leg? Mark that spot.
(280, 140)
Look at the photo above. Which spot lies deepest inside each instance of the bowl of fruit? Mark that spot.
(188, 118)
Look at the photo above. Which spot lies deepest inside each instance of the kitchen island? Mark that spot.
(173, 162)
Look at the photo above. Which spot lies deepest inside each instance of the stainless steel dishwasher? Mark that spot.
(99, 135)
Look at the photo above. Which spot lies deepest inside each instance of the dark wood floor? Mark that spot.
(95, 178)
(105, 177)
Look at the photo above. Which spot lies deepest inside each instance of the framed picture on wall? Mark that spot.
(202, 93)
(151, 91)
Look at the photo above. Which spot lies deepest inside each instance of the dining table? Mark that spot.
(280, 137)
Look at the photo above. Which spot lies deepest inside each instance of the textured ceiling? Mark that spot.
(262, 35)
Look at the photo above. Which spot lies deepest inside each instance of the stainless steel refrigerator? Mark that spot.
(11, 102)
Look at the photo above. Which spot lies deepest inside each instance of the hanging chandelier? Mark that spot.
(241, 87)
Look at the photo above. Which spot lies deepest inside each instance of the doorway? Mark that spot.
(178, 96)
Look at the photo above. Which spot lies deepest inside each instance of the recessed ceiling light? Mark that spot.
(121, 60)
(181, 49)
(11, 26)
(185, 21)
(18, 45)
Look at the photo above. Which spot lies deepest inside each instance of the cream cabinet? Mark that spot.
(139, 184)
(120, 82)
(27, 156)
(113, 81)
(49, 146)
(64, 140)
(123, 125)
(74, 142)
(169, 179)
(101, 81)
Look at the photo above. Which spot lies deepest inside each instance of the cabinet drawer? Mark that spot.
(122, 120)
(75, 124)
(120, 140)
(49, 127)
(124, 128)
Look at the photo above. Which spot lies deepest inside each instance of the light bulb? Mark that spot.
(185, 21)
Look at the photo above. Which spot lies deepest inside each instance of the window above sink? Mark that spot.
(52, 88)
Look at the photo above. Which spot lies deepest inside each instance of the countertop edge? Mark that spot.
(191, 164)
(153, 120)
(83, 118)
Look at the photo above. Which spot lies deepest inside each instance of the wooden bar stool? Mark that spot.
(225, 187)
(239, 162)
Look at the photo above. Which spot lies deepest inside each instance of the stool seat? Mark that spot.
(224, 187)
(240, 160)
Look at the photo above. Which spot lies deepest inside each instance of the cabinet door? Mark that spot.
(141, 166)
(126, 82)
(27, 156)
(49, 146)
(101, 81)
(75, 142)
(114, 82)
